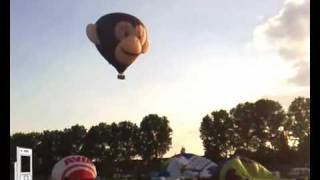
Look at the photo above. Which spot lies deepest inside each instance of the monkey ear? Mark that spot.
(91, 31)
(145, 46)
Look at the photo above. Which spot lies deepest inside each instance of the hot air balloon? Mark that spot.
(74, 167)
(120, 38)
(239, 167)
(187, 165)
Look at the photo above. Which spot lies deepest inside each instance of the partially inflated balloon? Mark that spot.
(120, 38)
(186, 165)
(244, 168)
(74, 167)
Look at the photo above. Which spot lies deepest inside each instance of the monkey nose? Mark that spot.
(133, 45)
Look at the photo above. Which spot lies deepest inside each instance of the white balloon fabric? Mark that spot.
(188, 165)
(74, 167)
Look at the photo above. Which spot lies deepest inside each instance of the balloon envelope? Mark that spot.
(244, 168)
(120, 38)
(188, 165)
(74, 167)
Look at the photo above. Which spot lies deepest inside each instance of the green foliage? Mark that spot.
(217, 134)
(123, 144)
(298, 124)
(71, 140)
(96, 144)
(303, 152)
(261, 130)
(258, 123)
(105, 144)
(47, 151)
(155, 137)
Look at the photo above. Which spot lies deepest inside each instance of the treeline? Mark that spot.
(262, 130)
(103, 143)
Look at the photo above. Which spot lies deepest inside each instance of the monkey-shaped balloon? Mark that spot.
(120, 38)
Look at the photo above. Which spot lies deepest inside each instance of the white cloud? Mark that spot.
(302, 77)
(288, 34)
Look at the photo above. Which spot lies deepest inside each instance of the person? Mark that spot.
(183, 150)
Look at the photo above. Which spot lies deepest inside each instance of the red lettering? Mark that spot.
(77, 158)
(83, 159)
(67, 161)
(89, 161)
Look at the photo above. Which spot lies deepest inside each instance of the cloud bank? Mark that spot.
(288, 34)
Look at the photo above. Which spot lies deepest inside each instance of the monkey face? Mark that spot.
(132, 42)
(120, 38)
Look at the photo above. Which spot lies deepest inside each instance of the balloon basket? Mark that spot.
(121, 76)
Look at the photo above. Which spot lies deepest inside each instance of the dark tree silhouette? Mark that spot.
(298, 124)
(259, 130)
(155, 137)
(123, 144)
(96, 143)
(72, 140)
(283, 151)
(48, 150)
(258, 124)
(303, 152)
(217, 134)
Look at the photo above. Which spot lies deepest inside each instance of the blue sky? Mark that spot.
(204, 55)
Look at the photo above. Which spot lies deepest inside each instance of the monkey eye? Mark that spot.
(123, 29)
(139, 36)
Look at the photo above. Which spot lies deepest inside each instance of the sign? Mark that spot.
(23, 165)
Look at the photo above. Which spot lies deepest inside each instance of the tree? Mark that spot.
(303, 152)
(298, 124)
(155, 137)
(123, 144)
(96, 143)
(72, 140)
(96, 146)
(258, 124)
(271, 117)
(283, 151)
(242, 116)
(217, 134)
(48, 150)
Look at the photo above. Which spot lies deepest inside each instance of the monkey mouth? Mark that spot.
(129, 53)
